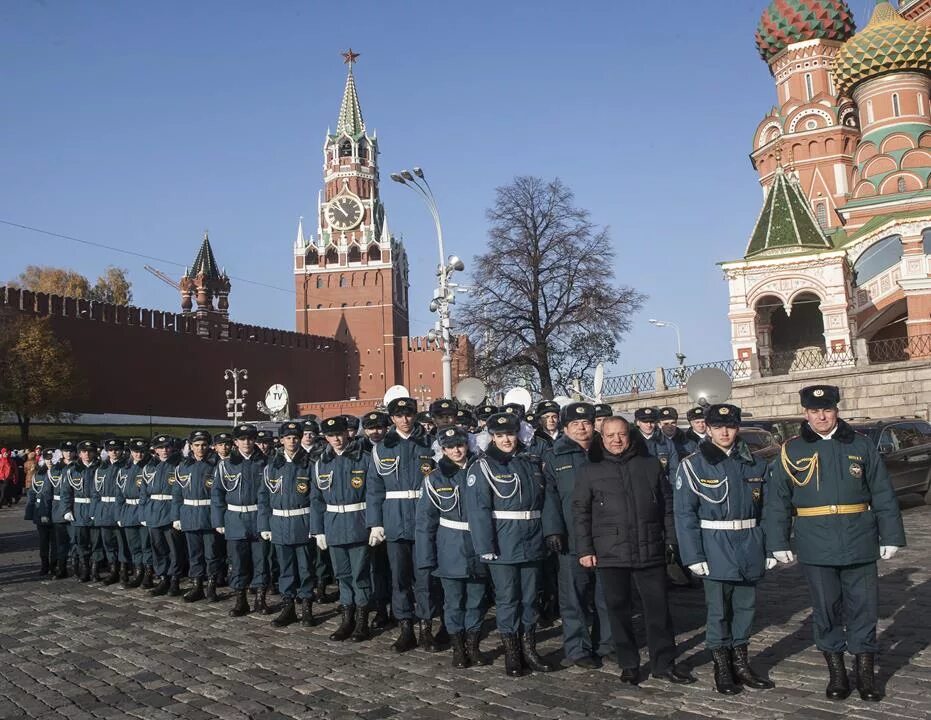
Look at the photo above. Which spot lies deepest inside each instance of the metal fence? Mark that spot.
(629, 384)
(899, 349)
(809, 358)
(676, 377)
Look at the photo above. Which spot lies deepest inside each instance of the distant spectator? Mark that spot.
(7, 477)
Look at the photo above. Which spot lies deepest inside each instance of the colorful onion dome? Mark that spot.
(888, 43)
(790, 21)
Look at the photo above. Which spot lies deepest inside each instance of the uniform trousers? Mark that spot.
(84, 537)
(249, 563)
(62, 542)
(381, 574)
(579, 593)
(413, 590)
(110, 543)
(202, 553)
(463, 603)
(516, 589)
(295, 571)
(167, 549)
(136, 546)
(731, 606)
(353, 572)
(651, 586)
(323, 567)
(46, 544)
(844, 595)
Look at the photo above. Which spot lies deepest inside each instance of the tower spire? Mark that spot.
(350, 112)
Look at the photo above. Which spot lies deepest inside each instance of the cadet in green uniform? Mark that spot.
(847, 516)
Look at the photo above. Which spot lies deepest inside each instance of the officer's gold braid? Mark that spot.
(809, 466)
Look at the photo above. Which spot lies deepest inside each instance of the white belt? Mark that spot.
(403, 494)
(56, 497)
(242, 508)
(107, 498)
(728, 524)
(159, 497)
(291, 513)
(516, 514)
(354, 507)
(197, 503)
(454, 524)
(82, 501)
(131, 501)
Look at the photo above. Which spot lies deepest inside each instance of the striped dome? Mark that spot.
(888, 43)
(790, 21)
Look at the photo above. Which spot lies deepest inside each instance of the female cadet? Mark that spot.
(504, 499)
(137, 544)
(340, 478)
(41, 514)
(718, 501)
(444, 545)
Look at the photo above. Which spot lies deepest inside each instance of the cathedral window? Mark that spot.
(343, 282)
(869, 111)
(319, 281)
(821, 210)
(900, 185)
(809, 87)
(896, 110)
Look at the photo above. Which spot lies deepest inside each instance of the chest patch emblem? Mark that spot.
(138, 482)
(426, 467)
(208, 482)
(856, 470)
(302, 488)
(357, 481)
(471, 480)
(665, 460)
(757, 494)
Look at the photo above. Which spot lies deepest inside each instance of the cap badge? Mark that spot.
(402, 403)
(724, 411)
(502, 421)
(580, 410)
(818, 393)
(450, 432)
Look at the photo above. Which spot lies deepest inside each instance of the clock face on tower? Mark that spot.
(344, 212)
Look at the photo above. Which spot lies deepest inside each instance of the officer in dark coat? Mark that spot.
(547, 421)
(340, 481)
(234, 512)
(191, 493)
(106, 511)
(578, 588)
(51, 498)
(155, 503)
(505, 492)
(482, 413)
(602, 411)
(77, 497)
(375, 426)
(658, 445)
(719, 499)
(41, 514)
(444, 546)
(668, 425)
(137, 545)
(846, 516)
(401, 461)
(284, 520)
(622, 515)
(698, 430)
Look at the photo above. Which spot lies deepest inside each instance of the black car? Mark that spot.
(762, 443)
(905, 446)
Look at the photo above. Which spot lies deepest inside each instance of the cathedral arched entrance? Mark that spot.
(790, 336)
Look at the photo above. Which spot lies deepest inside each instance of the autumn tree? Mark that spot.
(111, 287)
(544, 308)
(36, 372)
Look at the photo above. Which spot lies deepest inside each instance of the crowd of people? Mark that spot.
(16, 470)
(426, 520)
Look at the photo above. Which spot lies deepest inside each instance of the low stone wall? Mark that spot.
(876, 391)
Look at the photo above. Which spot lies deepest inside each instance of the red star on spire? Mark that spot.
(349, 57)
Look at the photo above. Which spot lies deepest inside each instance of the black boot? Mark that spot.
(242, 605)
(529, 646)
(426, 641)
(162, 588)
(406, 640)
(512, 655)
(196, 592)
(86, 572)
(460, 657)
(211, 592)
(723, 674)
(838, 685)
(347, 624)
(62, 571)
(174, 587)
(261, 604)
(361, 633)
(442, 635)
(307, 613)
(137, 579)
(866, 678)
(473, 648)
(77, 567)
(98, 570)
(148, 579)
(744, 674)
(114, 576)
(382, 619)
(43, 568)
(126, 572)
(287, 614)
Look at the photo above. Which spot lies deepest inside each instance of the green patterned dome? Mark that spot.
(790, 21)
(888, 43)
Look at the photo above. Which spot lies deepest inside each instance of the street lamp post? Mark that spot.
(235, 398)
(445, 293)
(679, 356)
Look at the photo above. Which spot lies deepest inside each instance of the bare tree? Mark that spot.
(545, 308)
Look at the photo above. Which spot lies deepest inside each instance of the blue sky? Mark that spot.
(138, 125)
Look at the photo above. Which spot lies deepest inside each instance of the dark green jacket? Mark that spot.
(849, 471)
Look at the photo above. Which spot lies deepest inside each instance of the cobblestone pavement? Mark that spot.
(88, 651)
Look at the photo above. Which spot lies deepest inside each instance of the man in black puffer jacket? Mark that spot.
(622, 511)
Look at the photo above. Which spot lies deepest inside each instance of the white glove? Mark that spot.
(376, 536)
(699, 568)
(69, 517)
(142, 522)
(266, 534)
(784, 556)
(887, 551)
(176, 524)
(771, 563)
(321, 541)
(489, 556)
(43, 519)
(221, 530)
(119, 523)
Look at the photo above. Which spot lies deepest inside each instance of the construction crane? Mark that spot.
(162, 276)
